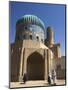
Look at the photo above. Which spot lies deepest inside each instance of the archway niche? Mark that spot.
(35, 66)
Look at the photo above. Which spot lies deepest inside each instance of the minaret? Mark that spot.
(50, 43)
(50, 36)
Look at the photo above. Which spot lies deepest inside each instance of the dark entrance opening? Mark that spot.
(35, 67)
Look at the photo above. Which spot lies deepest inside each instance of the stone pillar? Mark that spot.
(45, 66)
(48, 61)
(25, 62)
(21, 66)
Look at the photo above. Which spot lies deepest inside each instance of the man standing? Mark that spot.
(54, 77)
(49, 78)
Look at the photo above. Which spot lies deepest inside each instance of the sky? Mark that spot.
(51, 15)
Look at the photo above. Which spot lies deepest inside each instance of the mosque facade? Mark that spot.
(31, 52)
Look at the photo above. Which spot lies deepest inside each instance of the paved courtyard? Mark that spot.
(34, 83)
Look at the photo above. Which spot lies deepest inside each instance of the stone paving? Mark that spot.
(34, 83)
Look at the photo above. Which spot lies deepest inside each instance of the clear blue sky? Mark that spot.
(51, 14)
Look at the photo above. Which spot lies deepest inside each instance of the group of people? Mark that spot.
(52, 78)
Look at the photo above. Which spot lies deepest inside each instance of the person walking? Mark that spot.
(25, 78)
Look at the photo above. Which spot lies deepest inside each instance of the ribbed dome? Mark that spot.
(31, 19)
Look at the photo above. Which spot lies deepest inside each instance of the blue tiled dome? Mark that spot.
(31, 19)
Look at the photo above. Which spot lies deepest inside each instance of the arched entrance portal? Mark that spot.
(35, 66)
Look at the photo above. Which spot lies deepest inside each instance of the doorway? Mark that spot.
(35, 66)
